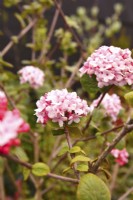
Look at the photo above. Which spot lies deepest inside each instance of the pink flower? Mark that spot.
(10, 126)
(111, 66)
(121, 156)
(61, 106)
(111, 104)
(32, 75)
(3, 104)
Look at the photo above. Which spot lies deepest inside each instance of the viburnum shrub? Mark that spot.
(65, 123)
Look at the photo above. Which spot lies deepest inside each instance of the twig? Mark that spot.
(59, 161)
(85, 139)
(2, 191)
(69, 82)
(29, 166)
(114, 177)
(20, 35)
(8, 97)
(36, 146)
(54, 151)
(15, 159)
(69, 27)
(49, 188)
(87, 124)
(123, 197)
(67, 179)
(53, 24)
(94, 136)
(126, 129)
(70, 146)
(99, 103)
(10, 174)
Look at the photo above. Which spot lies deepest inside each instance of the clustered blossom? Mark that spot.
(111, 66)
(32, 75)
(121, 156)
(11, 124)
(3, 104)
(111, 103)
(61, 106)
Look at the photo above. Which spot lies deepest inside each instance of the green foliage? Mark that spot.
(65, 37)
(129, 98)
(20, 153)
(89, 84)
(63, 151)
(80, 159)
(40, 169)
(58, 132)
(26, 173)
(83, 168)
(9, 3)
(92, 188)
(76, 149)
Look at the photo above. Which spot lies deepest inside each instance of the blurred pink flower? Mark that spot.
(3, 104)
(32, 75)
(111, 66)
(61, 106)
(111, 103)
(121, 156)
(10, 126)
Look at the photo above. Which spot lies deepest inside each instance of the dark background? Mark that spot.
(11, 27)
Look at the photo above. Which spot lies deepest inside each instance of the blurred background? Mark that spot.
(119, 34)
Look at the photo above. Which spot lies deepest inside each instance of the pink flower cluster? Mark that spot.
(111, 66)
(61, 106)
(11, 124)
(111, 103)
(32, 75)
(3, 104)
(121, 156)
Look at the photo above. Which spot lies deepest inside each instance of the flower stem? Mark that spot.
(70, 146)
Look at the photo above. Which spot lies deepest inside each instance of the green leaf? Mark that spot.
(63, 151)
(20, 19)
(66, 170)
(129, 98)
(82, 168)
(26, 173)
(5, 64)
(80, 159)
(56, 132)
(106, 172)
(20, 153)
(76, 149)
(91, 187)
(74, 130)
(89, 84)
(40, 169)
(14, 39)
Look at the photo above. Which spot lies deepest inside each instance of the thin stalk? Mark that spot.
(126, 129)
(51, 31)
(2, 191)
(70, 146)
(69, 27)
(20, 35)
(29, 166)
